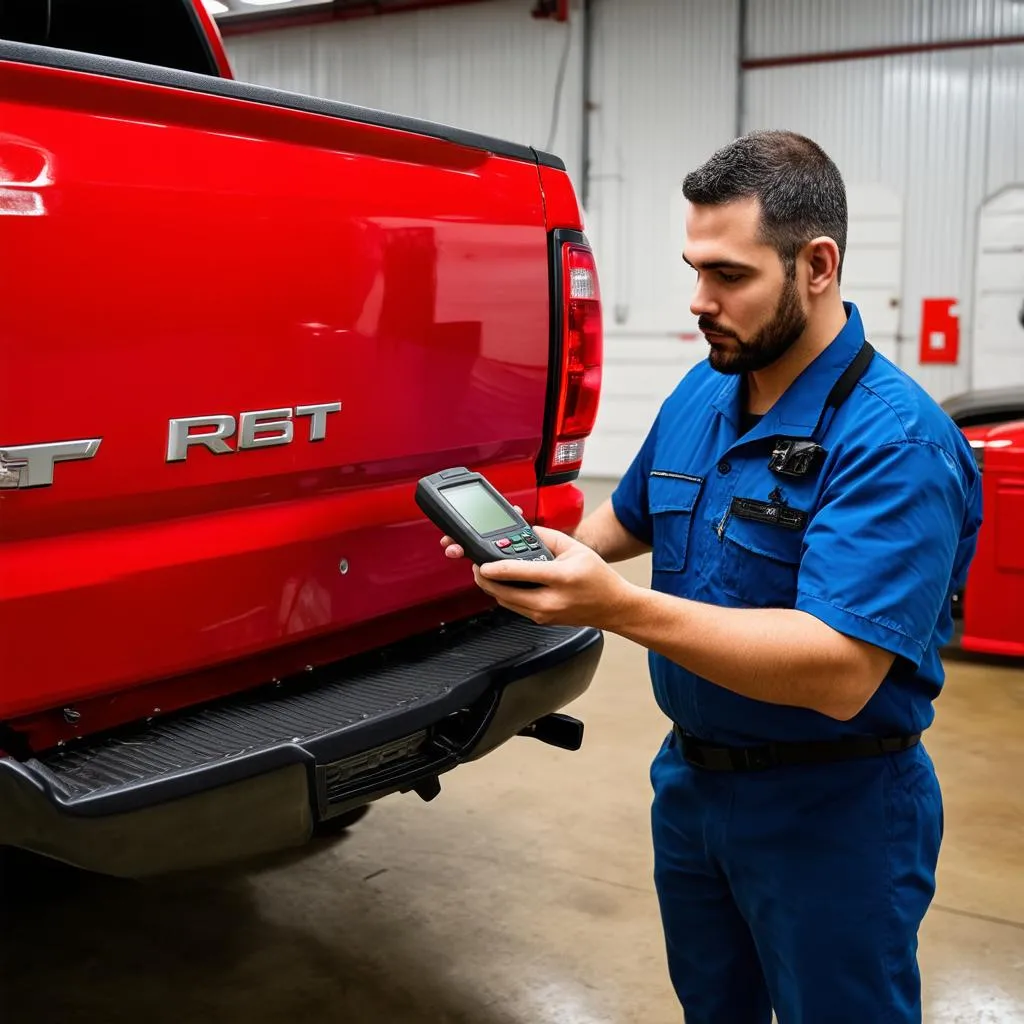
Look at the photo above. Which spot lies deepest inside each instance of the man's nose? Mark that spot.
(702, 302)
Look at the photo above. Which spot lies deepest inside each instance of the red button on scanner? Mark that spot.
(503, 543)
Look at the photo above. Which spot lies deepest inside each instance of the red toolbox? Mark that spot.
(993, 601)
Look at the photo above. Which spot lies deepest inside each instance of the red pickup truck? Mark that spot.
(238, 325)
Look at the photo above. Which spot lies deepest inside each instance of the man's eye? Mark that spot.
(730, 278)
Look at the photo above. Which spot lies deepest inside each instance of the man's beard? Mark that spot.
(770, 343)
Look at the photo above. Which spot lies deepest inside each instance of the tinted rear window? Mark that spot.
(162, 32)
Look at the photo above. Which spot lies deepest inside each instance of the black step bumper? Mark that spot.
(256, 772)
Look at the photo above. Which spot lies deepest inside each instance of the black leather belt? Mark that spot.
(717, 758)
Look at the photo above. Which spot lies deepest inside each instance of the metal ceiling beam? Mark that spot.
(339, 10)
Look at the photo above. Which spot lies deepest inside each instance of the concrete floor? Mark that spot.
(522, 894)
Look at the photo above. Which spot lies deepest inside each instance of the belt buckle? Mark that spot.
(757, 758)
(701, 755)
(693, 754)
(716, 759)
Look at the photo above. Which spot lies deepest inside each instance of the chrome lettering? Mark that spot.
(318, 418)
(274, 425)
(261, 428)
(180, 438)
(31, 465)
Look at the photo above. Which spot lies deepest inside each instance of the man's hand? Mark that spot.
(577, 589)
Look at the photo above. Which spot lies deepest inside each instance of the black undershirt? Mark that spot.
(748, 421)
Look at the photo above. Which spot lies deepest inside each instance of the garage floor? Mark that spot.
(522, 894)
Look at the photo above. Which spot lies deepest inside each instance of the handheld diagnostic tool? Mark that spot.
(468, 508)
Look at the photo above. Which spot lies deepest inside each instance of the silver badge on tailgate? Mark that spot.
(263, 428)
(31, 465)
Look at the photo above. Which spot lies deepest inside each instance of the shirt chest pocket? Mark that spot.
(672, 500)
(761, 561)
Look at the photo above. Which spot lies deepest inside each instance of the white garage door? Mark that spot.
(998, 336)
(874, 261)
(640, 372)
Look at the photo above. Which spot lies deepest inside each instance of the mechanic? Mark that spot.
(810, 511)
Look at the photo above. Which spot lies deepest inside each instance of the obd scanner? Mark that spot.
(470, 510)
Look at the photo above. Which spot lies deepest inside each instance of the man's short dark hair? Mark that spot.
(800, 189)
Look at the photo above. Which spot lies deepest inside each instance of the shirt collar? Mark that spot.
(798, 409)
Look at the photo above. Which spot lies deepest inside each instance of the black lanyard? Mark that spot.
(800, 457)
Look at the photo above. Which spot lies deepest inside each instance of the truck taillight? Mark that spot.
(579, 386)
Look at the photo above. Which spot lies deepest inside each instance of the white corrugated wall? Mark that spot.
(486, 67)
(777, 28)
(931, 134)
(944, 130)
(665, 92)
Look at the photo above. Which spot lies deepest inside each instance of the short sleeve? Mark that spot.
(629, 499)
(890, 536)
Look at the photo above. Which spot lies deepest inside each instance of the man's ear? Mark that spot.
(822, 256)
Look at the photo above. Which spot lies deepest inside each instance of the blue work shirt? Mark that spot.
(874, 544)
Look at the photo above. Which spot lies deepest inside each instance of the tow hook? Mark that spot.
(557, 730)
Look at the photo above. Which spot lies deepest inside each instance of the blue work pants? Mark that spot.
(798, 888)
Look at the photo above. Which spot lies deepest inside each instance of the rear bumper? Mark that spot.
(255, 774)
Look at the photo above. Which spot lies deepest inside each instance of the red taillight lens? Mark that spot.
(582, 354)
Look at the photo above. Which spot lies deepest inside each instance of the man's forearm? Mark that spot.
(602, 532)
(777, 655)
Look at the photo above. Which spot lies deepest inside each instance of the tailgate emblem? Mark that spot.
(264, 428)
(31, 465)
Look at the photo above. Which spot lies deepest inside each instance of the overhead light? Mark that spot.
(215, 7)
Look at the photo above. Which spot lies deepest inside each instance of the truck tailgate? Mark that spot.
(346, 307)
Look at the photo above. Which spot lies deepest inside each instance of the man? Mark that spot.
(810, 511)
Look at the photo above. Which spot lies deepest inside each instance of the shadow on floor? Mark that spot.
(77, 948)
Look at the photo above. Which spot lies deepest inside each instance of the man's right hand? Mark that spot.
(601, 531)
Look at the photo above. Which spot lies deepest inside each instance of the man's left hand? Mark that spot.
(577, 589)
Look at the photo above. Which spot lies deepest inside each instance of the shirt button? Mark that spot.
(724, 467)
